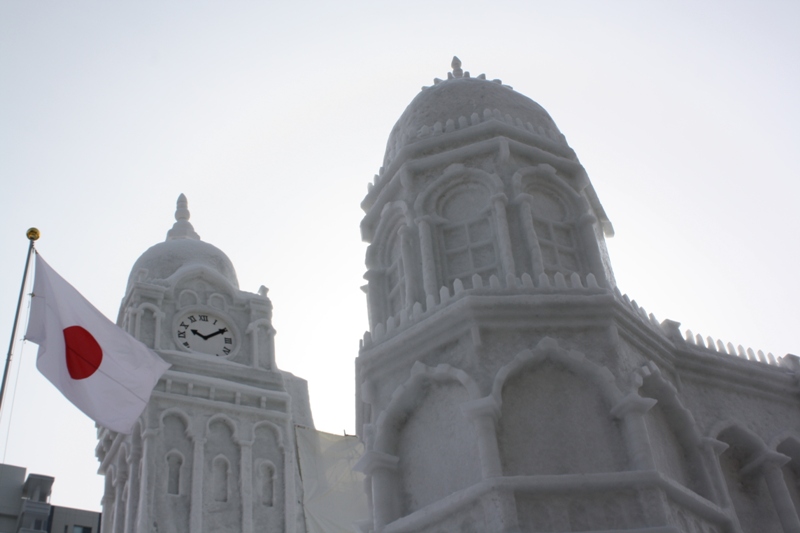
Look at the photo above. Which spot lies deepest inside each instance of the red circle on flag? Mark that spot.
(84, 354)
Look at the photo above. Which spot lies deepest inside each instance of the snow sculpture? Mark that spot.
(507, 385)
(214, 450)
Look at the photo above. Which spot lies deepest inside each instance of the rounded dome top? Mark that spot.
(463, 96)
(182, 248)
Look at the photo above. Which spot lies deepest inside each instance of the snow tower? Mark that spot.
(506, 385)
(214, 450)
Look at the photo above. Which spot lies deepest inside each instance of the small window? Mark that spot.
(219, 475)
(555, 233)
(266, 483)
(468, 237)
(174, 463)
(81, 529)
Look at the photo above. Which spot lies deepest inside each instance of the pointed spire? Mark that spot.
(182, 229)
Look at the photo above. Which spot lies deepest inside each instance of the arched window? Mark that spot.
(219, 478)
(266, 483)
(467, 236)
(554, 232)
(174, 463)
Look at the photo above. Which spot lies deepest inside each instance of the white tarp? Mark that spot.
(333, 493)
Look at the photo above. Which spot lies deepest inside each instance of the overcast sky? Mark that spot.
(272, 118)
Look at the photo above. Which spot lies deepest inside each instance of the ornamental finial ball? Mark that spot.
(33, 234)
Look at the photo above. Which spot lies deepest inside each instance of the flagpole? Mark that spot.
(33, 235)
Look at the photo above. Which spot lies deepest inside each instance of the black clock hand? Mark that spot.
(204, 337)
(218, 332)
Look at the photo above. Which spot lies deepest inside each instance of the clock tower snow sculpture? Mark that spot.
(506, 385)
(214, 449)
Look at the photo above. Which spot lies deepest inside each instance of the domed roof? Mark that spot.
(463, 96)
(182, 248)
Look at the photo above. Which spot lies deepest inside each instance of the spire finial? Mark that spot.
(456, 64)
(182, 229)
(456, 73)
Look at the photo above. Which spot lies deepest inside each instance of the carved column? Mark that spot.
(537, 264)
(410, 274)
(484, 414)
(375, 306)
(108, 508)
(588, 239)
(428, 262)
(146, 490)
(120, 501)
(246, 475)
(499, 202)
(196, 506)
(712, 449)
(500, 508)
(253, 329)
(631, 410)
(134, 489)
(768, 464)
(381, 470)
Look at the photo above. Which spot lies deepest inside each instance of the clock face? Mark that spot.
(201, 331)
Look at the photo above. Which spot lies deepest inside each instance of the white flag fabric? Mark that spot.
(98, 366)
(334, 499)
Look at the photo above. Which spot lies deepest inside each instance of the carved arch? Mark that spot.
(404, 399)
(194, 271)
(274, 428)
(426, 202)
(548, 350)
(556, 222)
(148, 331)
(426, 412)
(463, 228)
(229, 422)
(754, 481)
(391, 260)
(180, 414)
(551, 422)
(188, 298)
(673, 433)
(545, 176)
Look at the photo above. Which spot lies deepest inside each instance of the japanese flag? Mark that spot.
(101, 369)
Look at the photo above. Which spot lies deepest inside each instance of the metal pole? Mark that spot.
(33, 235)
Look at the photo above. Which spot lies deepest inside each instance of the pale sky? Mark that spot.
(272, 118)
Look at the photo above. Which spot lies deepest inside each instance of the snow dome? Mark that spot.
(182, 248)
(457, 99)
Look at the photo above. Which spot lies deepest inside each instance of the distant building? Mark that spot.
(25, 506)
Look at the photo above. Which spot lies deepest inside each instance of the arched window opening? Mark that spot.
(174, 463)
(219, 479)
(555, 233)
(468, 235)
(266, 483)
